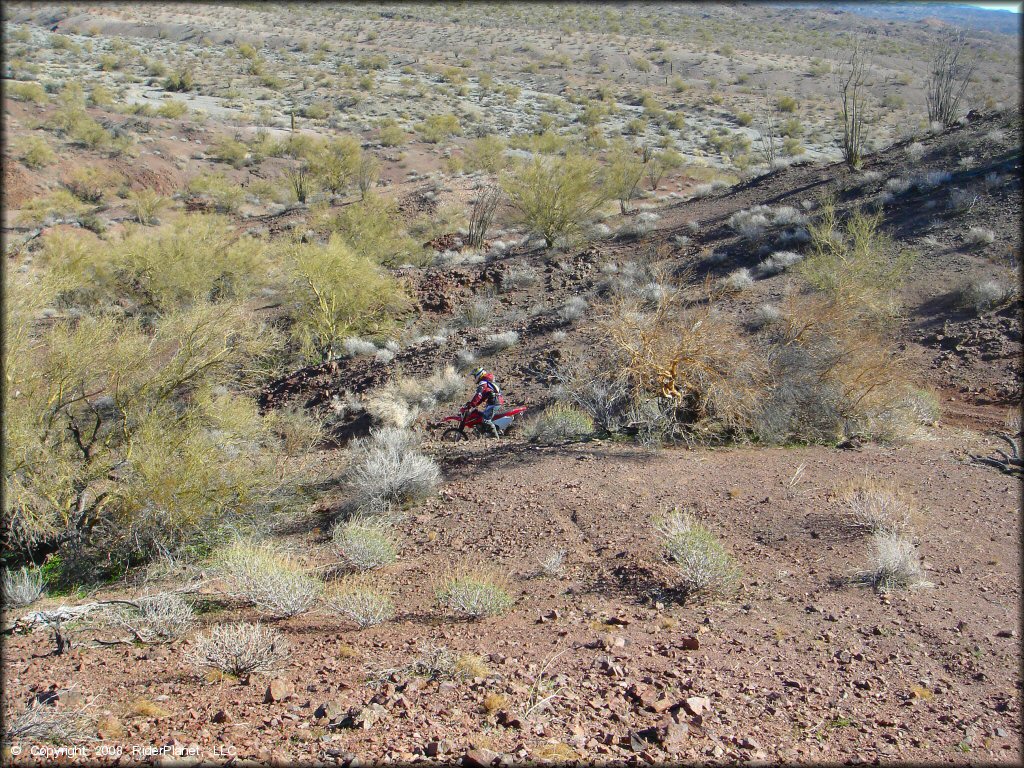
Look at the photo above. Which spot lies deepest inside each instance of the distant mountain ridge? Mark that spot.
(954, 14)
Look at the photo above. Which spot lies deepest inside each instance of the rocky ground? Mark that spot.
(601, 659)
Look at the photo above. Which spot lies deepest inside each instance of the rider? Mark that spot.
(487, 391)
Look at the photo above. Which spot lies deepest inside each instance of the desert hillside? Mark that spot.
(763, 503)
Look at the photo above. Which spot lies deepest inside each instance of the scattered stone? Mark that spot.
(697, 705)
(220, 716)
(278, 690)
(480, 758)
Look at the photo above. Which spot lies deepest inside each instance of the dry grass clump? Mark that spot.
(979, 236)
(496, 342)
(268, 577)
(158, 618)
(470, 665)
(875, 508)
(388, 468)
(559, 422)
(573, 310)
(983, 295)
(365, 544)
(738, 280)
(751, 222)
(239, 650)
(893, 564)
(363, 601)
(704, 566)
(778, 262)
(22, 587)
(44, 723)
(518, 277)
(474, 592)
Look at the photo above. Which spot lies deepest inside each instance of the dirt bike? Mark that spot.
(472, 420)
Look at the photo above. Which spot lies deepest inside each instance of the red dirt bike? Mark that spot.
(472, 420)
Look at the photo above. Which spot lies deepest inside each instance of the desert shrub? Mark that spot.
(363, 601)
(703, 565)
(173, 109)
(158, 618)
(35, 152)
(979, 236)
(518, 276)
(751, 222)
(387, 468)
(264, 575)
(915, 151)
(180, 80)
(374, 229)
(336, 163)
(982, 295)
(337, 293)
(496, 342)
(694, 358)
(435, 128)
(365, 543)
(240, 650)
(486, 153)
(475, 593)
(559, 422)
(147, 456)
(641, 225)
(573, 310)
(59, 204)
(145, 204)
(552, 563)
(765, 315)
(22, 587)
(623, 174)
(225, 194)
(786, 104)
(894, 563)
(44, 723)
(738, 280)
(231, 151)
(554, 197)
(874, 508)
(26, 91)
(778, 262)
(392, 136)
(91, 183)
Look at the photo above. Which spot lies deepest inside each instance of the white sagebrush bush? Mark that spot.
(704, 567)
(787, 216)
(898, 185)
(738, 280)
(388, 467)
(365, 544)
(22, 587)
(574, 308)
(766, 315)
(159, 618)
(931, 179)
(364, 602)
(751, 222)
(239, 650)
(982, 295)
(44, 723)
(355, 347)
(778, 262)
(559, 422)
(915, 151)
(978, 236)
(496, 342)
(893, 564)
(272, 580)
(518, 276)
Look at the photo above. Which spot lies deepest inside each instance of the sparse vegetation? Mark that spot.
(362, 601)
(240, 650)
(365, 544)
(273, 581)
(476, 593)
(704, 567)
(558, 423)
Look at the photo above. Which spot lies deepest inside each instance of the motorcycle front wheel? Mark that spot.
(454, 435)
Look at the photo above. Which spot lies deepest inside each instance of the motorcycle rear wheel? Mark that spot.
(454, 435)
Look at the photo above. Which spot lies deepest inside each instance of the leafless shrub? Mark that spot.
(42, 722)
(948, 80)
(158, 618)
(239, 650)
(552, 564)
(477, 313)
(362, 601)
(388, 467)
(704, 567)
(894, 563)
(915, 152)
(22, 587)
(850, 83)
(738, 280)
(765, 315)
(518, 276)
(752, 222)
(787, 216)
(355, 347)
(961, 200)
(365, 543)
(482, 214)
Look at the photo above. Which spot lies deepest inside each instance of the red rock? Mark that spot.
(278, 690)
(697, 705)
(480, 758)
